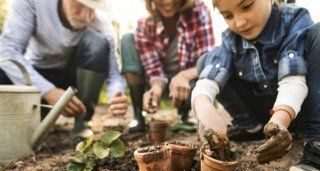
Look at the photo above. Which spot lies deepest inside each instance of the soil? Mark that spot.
(153, 153)
(56, 150)
(219, 147)
(178, 143)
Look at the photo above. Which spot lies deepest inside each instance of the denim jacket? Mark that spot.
(277, 52)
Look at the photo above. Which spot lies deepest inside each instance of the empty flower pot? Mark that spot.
(158, 131)
(211, 164)
(182, 155)
(153, 158)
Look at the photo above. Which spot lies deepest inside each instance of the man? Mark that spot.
(64, 43)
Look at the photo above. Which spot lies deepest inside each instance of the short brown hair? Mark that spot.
(186, 4)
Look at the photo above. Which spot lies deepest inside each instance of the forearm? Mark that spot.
(190, 73)
(291, 93)
(208, 115)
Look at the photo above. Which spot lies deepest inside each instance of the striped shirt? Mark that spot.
(34, 35)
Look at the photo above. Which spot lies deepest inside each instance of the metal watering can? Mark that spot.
(20, 129)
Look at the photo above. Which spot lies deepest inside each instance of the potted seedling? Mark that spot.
(216, 153)
(182, 155)
(89, 153)
(155, 158)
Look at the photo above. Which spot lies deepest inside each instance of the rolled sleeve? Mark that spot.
(218, 65)
(292, 56)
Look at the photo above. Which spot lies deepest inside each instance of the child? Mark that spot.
(268, 60)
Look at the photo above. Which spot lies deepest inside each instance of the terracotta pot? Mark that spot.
(182, 156)
(211, 164)
(157, 160)
(158, 131)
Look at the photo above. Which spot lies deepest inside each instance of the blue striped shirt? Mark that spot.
(34, 35)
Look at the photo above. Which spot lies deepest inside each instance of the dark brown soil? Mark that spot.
(182, 144)
(56, 150)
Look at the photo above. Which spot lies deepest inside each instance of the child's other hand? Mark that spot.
(278, 145)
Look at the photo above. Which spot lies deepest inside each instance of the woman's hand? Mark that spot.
(179, 89)
(151, 97)
(118, 104)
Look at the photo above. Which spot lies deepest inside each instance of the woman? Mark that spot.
(163, 53)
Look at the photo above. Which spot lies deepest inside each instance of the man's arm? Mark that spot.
(18, 29)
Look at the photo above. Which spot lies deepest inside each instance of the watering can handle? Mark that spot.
(26, 77)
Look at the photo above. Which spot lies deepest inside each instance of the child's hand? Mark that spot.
(278, 145)
(213, 144)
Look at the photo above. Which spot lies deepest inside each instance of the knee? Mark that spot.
(126, 39)
(93, 51)
(95, 43)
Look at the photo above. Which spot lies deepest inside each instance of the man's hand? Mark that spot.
(118, 104)
(152, 97)
(74, 108)
(278, 145)
(179, 89)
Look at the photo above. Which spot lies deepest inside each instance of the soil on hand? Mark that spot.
(56, 150)
(219, 146)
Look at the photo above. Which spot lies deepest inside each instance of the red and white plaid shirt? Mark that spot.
(195, 37)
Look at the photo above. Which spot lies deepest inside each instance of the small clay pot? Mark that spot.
(153, 158)
(158, 131)
(182, 155)
(211, 164)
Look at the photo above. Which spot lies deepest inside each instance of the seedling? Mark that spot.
(90, 153)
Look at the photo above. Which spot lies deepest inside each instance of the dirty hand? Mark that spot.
(74, 108)
(151, 98)
(118, 104)
(213, 144)
(179, 89)
(278, 145)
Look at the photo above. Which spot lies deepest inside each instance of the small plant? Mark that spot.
(90, 153)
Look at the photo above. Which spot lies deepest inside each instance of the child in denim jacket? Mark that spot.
(268, 61)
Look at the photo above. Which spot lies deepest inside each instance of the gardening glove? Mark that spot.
(213, 145)
(278, 145)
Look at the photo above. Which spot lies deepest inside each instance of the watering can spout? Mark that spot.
(51, 118)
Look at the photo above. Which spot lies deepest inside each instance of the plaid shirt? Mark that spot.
(195, 37)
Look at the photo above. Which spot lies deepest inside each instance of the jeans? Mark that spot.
(248, 109)
(91, 53)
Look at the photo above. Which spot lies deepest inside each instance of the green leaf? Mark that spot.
(81, 147)
(117, 148)
(100, 150)
(79, 158)
(108, 137)
(91, 163)
(89, 142)
(72, 166)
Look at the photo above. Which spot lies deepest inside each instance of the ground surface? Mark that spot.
(57, 148)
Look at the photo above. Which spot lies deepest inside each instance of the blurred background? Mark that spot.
(124, 15)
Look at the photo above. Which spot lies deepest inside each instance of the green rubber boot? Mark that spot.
(89, 84)
(138, 123)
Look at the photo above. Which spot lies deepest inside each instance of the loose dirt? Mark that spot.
(57, 148)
